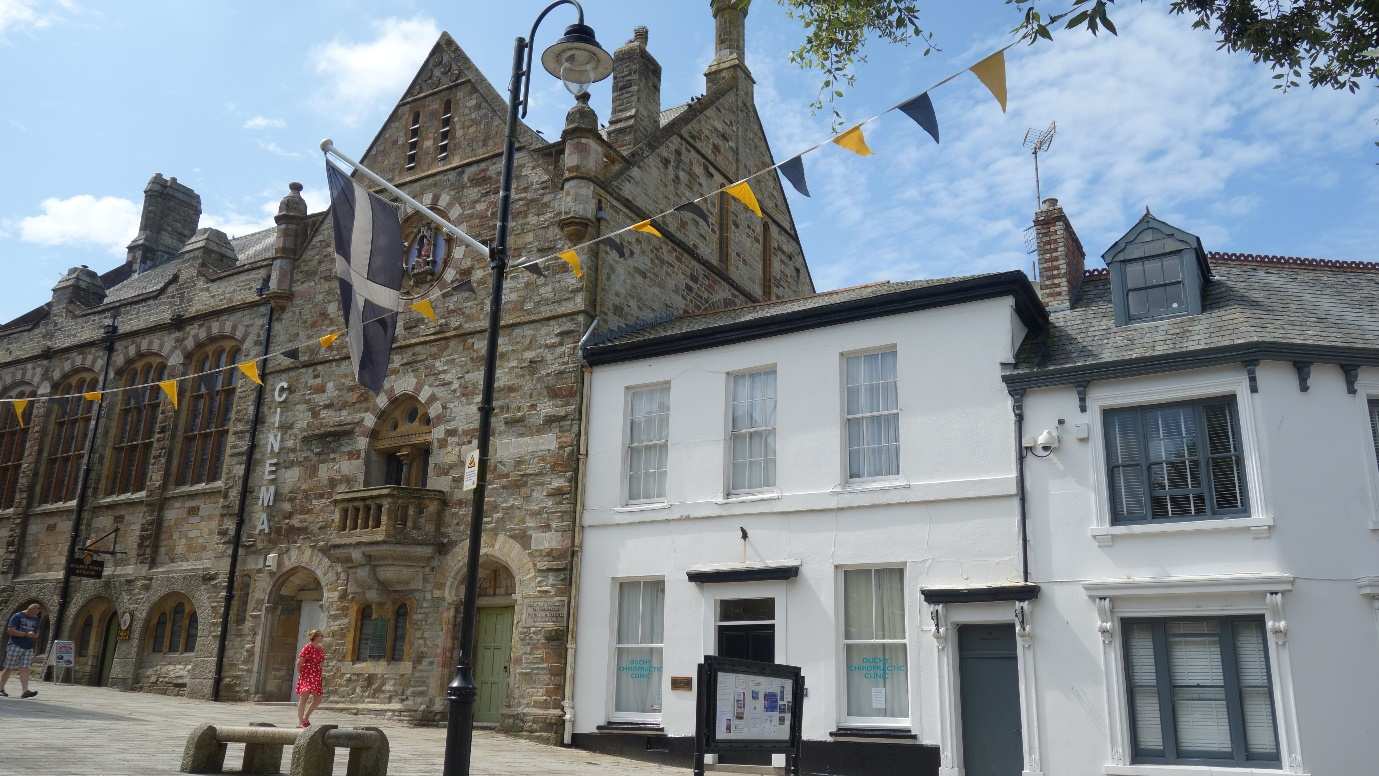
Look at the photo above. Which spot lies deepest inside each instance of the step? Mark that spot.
(760, 770)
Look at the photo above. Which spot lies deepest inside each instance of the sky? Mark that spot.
(234, 98)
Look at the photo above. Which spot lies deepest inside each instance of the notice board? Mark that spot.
(745, 705)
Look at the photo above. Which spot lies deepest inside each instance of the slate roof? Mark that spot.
(255, 245)
(668, 115)
(1251, 299)
(148, 280)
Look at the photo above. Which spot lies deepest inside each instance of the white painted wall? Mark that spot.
(1314, 488)
(950, 520)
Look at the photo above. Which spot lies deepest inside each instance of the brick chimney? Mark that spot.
(1061, 259)
(169, 218)
(78, 286)
(636, 94)
(729, 42)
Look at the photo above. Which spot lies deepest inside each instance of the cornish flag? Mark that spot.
(368, 262)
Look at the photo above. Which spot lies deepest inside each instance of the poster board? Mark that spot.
(745, 705)
(64, 654)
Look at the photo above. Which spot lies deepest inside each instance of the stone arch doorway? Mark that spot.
(295, 607)
(97, 631)
(493, 643)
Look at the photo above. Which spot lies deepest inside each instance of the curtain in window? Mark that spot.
(1144, 690)
(639, 647)
(647, 443)
(873, 416)
(1199, 689)
(874, 643)
(754, 431)
(1256, 697)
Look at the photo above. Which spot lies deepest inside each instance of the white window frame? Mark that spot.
(848, 480)
(627, 445)
(844, 719)
(1101, 397)
(1211, 596)
(613, 714)
(728, 432)
(1367, 391)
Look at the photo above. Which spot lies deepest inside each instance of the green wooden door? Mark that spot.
(492, 661)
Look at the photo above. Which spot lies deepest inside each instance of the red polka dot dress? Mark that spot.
(309, 678)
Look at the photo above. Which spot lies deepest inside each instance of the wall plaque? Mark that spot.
(685, 683)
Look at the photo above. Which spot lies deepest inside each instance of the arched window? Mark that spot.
(67, 437)
(175, 625)
(160, 631)
(413, 139)
(371, 639)
(443, 142)
(207, 420)
(399, 649)
(193, 625)
(132, 442)
(84, 635)
(400, 449)
(13, 436)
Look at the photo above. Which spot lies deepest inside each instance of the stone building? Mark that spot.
(352, 509)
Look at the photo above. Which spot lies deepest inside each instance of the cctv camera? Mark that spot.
(1046, 442)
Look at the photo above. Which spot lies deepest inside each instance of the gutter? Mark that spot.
(1017, 406)
(238, 536)
(577, 544)
(111, 329)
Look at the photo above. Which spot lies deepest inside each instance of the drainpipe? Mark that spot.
(243, 503)
(110, 331)
(577, 544)
(1017, 406)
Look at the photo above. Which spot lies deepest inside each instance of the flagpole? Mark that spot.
(328, 146)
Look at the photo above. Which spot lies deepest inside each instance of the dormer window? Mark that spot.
(1158, 271)
(1154, 288)
(413, 140)
(443, 142)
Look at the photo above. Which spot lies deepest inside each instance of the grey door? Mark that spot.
(990, 700)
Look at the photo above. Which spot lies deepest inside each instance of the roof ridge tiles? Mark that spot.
(1267, 259)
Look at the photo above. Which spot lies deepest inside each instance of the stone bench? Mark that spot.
(313, 749)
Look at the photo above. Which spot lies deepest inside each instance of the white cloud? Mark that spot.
(108, 222)
(264, 122)
(236, 221)
(27, 15)
(358, 75)
(277, 150)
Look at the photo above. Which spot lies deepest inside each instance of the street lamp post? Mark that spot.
(578, 61)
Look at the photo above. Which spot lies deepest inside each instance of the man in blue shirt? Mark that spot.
(22, 630)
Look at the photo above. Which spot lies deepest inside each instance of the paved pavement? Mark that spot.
(95, 731)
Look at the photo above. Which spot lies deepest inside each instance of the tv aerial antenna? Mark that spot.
(1038, 142)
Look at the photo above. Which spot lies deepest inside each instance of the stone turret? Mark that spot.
(291, 233)
(730, 42)
(80, 286)
(636, 94)
(584, 161)
(169, 218)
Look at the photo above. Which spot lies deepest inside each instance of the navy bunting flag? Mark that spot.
(295, 354)
(693, 209)
(793, 170)
(615, 246)
(535, 268)
(368, 264)
(921, 109)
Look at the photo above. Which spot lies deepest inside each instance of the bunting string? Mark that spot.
(990, 70)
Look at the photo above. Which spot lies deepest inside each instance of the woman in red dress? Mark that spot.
(309, 662)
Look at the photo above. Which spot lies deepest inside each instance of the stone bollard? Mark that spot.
(371, 759)
(203, 753)
(262, 757)
(311, 755)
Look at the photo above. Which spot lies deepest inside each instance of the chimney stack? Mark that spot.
(169, 218)
(729, 42)
(636, 94)
(78, 286)
(1061, 259)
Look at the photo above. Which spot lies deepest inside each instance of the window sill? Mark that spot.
(192, 490)
(643, 507)
(1193, 770)
(867, 486)
(57, 506)
(1259, 528)
(632, 728)
(745, 498)
(875, 732)
(122, 498)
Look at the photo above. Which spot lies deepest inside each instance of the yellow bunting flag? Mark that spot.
(992, 73)
(647, 228)
(19, 406)
(251, 371)
(853, 141)
(424, 307)
(92, 396)
(572, 258)
(741, 192)
(330, 339)
(170, 388)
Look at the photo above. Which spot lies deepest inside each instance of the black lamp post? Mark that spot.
(578, 60)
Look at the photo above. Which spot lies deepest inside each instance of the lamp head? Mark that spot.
(577, 59)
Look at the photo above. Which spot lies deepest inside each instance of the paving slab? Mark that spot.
(97, 731)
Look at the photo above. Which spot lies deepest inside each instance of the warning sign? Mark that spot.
(471, 469)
